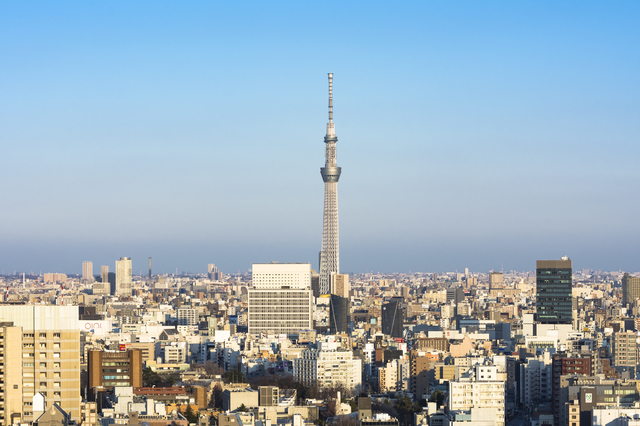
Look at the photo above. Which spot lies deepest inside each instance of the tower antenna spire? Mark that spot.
(330, 97)
(331, 130)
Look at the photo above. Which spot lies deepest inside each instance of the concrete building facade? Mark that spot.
(50, 357)
(281, 300)
(123, 277)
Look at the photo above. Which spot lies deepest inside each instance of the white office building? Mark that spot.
(281, 299)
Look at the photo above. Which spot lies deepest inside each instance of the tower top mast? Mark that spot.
(331, 131)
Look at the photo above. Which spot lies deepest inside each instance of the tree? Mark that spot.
(437, 397)
(216, 397)
(242, 408)
(212, 369)
(150, 378)
(405, 407)
(190, 415)
(347, 420)
(234, 376)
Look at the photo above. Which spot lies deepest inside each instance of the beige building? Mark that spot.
(388, 377)
(340, 285)
(630, 289)
(123, 277)
(48, 349)
(87, 271)
(11, 373)
(624, 349)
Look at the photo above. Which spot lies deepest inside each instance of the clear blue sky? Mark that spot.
(471, 134)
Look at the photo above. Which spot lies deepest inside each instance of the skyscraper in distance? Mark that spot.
(630, 289)
(330, 253)
(123, 277)
(554, 297)
(87, 271)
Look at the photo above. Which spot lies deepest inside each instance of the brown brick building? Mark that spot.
(109, 369)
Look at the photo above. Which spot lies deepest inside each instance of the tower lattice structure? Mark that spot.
(330, 253)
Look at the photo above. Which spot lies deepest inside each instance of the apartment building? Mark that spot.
(10, 373)
(624, 349)
(48, 346)
(108, 369)
(483, 391)
(328, 366)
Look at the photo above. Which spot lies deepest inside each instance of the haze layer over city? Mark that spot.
(471, 135)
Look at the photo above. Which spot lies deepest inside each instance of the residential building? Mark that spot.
(536, 383)
(484, 391)
(108, 369)
(420, 374)
(188, 316)
(624, 350)
(50, 352)
(10, 374)
(327, 366)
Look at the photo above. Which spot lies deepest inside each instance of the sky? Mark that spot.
(480, 135)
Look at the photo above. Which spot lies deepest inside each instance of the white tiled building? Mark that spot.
(328, 366)
(482, 391)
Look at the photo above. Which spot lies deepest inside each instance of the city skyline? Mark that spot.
(484, 136)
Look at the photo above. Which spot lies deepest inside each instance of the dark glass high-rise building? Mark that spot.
(393, 317)
(553, 292)
(338, 314)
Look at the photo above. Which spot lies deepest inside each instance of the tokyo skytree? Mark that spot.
(330, 253)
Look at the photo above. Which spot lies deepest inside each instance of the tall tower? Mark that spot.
(330, 254)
